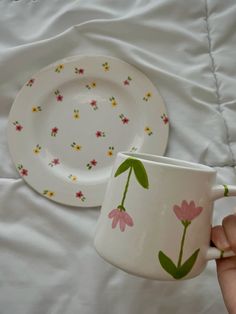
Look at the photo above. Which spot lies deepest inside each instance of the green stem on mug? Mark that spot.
(186, 224)
(121, 206)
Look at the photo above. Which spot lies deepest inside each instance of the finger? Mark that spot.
(219, 238)
(229, 226)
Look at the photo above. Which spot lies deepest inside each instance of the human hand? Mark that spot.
(224, 238)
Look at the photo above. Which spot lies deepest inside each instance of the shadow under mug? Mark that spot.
(156, 217)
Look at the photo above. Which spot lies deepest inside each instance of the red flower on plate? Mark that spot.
(127, 81)
(54, 131)
(79, 71)
(125, 120)
(24, 172)
(18, 126)
(165, 119)
(93, 162)
(56, 161)
(100, 134)
(80, 195)
(59, 98)
(30, 82)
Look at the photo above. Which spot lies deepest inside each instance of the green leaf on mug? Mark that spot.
(167, 264)
(140, 173)
(124, 166)
(188, 265)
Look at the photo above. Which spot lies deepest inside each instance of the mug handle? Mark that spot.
(220, 191)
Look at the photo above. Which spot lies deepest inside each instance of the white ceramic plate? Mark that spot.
(70, 119)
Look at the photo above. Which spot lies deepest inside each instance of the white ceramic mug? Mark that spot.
(156, 217)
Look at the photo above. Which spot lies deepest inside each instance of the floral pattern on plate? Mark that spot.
(73, 125)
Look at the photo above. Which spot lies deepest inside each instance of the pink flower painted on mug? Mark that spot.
(187, 212)
(121, 217)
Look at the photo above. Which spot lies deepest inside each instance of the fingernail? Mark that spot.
(225, 244)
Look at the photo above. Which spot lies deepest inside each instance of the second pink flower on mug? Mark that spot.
(185, 213)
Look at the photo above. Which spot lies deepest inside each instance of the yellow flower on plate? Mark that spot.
(113, 101)
(148, 130)
(76, 114)
(36, 109)
(48, 193)
(93, 84)
(76, 146)
(147, 96)
(59, 68)
(73, 178)
(37, 149)
(106, 66)
(110, 151)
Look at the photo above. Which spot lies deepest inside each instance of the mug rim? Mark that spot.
(168, 162)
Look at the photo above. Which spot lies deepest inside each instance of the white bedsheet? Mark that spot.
(187, 48)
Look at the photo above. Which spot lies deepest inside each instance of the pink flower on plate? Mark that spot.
(93, 162)
(30, 82)
(59, 98)
(56, 161)
(187, 212)
(19, 127)
(125, 120)
(122, 217)
(24, 172)
(98, 133)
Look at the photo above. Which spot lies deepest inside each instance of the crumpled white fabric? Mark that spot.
(187, 48)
